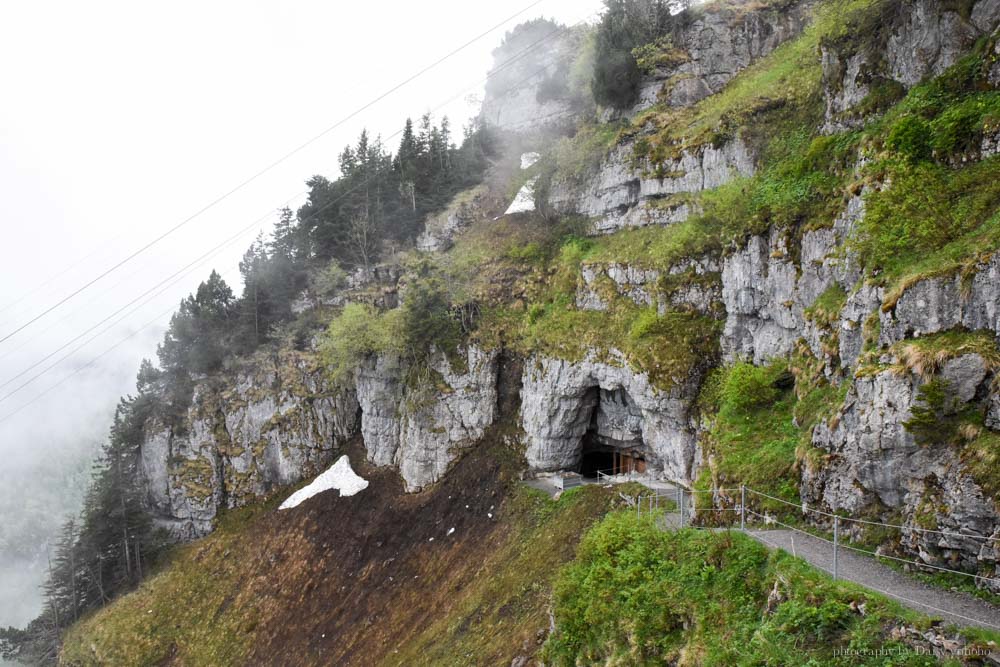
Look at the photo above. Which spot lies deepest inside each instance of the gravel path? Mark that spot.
(952, 606)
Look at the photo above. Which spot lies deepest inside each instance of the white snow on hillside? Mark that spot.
(525, 199)
(339, 476)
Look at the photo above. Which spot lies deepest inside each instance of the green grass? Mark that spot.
(828, 305)
(177, 607)
(510, 597)
(638, 595)
(752, 439)
(932, 220)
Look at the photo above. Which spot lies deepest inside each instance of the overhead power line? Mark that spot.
(231, 239)
(265, 170)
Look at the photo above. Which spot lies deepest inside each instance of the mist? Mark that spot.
(121, 120)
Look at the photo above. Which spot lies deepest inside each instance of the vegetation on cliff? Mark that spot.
(634, 594)
(458, 575)
(638, 595)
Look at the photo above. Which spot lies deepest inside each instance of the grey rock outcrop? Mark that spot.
(872, 462)
(715, 45)
(420, 427)
(946, 302)
(626, 192)
(277, 423)
(766, 293)
(441, 229)
(559, 399)
(922, 38)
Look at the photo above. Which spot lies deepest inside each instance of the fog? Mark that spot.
(120, 120)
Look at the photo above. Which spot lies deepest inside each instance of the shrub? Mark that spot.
(910, 136)
(747, 387)
(426, 319)
(354, 334)
(934, 418)
(959, 127)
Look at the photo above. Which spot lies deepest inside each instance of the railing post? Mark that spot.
(682, 507)
(836, 543)
(743, 507)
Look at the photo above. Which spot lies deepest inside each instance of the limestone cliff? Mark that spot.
(784, 285)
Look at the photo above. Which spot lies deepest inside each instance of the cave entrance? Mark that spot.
(613, 441)
(610, 461)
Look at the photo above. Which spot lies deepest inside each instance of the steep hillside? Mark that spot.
(762, 252)
(457, 575)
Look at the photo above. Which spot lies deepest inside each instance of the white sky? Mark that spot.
(120, 119)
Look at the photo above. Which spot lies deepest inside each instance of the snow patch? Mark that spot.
(524, 202)
(339, 476)
(525, 199)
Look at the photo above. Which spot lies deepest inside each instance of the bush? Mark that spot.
(934, 418)
(959, 127)
(354, 334)
(426, 319)
(747, 387)
(910, 136)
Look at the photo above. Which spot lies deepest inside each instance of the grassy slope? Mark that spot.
(357, 581)
(636, 595)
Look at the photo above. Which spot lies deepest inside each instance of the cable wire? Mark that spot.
(311, 216)
(260, 173)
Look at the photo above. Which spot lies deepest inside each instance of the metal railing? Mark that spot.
(609, 476)
(687, 506)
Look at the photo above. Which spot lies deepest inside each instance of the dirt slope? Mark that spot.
(382, 577)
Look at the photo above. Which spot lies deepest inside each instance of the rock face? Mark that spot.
(280, 422)
(421, 430)
(277, 423)
(526, 92)
(626, 192)
(920, 38)
(465, 208)
(693, 284)
(872, 461)
(561, 401)
(939, 304)
(766, 294)
(713, 46)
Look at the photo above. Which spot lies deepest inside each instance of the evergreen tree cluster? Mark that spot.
(626, 25)
(377, 205)
(107, 549)
(380, 199)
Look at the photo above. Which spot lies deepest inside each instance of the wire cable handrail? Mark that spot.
(920, 564)
(761, 533)
(805, 509)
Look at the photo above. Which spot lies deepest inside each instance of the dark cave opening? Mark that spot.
(612, 443)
